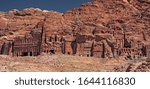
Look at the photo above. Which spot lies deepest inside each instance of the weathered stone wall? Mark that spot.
(117, 24)
(6, 47)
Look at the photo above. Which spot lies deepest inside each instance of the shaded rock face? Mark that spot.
(5, 48)
(112, 23)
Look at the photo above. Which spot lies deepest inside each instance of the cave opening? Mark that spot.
(24, 53)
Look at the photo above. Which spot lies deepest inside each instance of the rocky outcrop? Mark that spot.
(125, 14)
(134, 67)
(98, 18)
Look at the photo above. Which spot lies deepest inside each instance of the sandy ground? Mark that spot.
(57, 63)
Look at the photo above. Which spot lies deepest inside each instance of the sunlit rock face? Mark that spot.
(112, 23)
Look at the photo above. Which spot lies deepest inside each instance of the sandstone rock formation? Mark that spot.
(124, 22)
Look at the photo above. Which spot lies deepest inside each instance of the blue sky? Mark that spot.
(57, 5)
